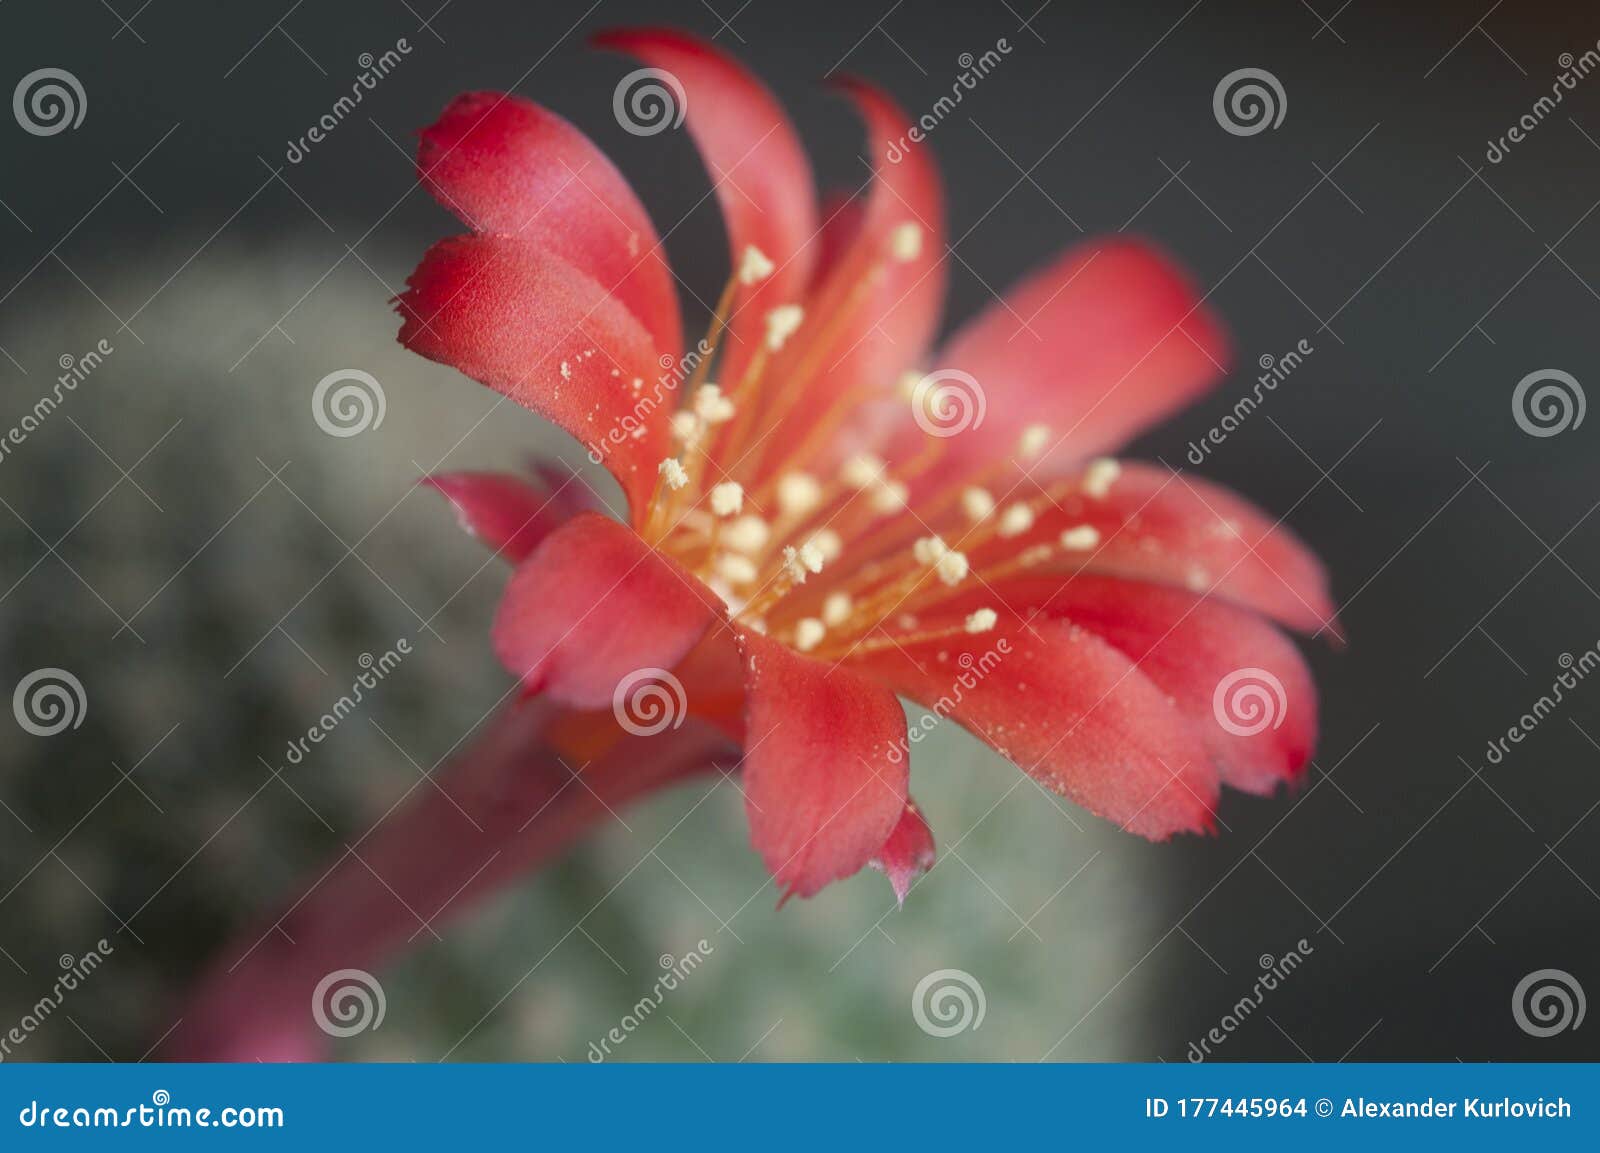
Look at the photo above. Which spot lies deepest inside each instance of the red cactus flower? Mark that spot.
(843, 516)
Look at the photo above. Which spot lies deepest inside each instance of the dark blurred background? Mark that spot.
(184, 540)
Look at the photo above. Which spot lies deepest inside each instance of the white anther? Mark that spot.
(982, 621)
(889, 497)
(952, 568)
(747, 534)
(672, 472)
(836, 609)
(736, 569)
(829, 543)
(727, 498)
(862, 470)
(754, 266)
(808, 633)
(928, 550)
(687, 428)
(798, 493)
(976, 503)
(1015, 520)
(792, 565)
(1100, 476)
(1034, 439)
(781, 324)
(1081, 538)
(905, 242)
(711, 406)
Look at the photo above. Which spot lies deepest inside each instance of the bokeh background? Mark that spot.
(183, 538)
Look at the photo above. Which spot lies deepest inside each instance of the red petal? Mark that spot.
(506, 166)
(875, 329)
(594, 605)
(509, 514)
(525, 322)
(1104, 342)
(756, 163)
(842, 215)
(1189, 647)
(825, 766)
(1157, 525)
(1069, 709)
(908, 853)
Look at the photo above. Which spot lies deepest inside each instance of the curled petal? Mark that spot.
(757, 166)
(514, 316)
(1153, 524)
(825, 775)
(1067, 708)
(508, 167)
(876, 311)
(1196, 650)
(908, 853)
(595, 605)
(509, 514)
